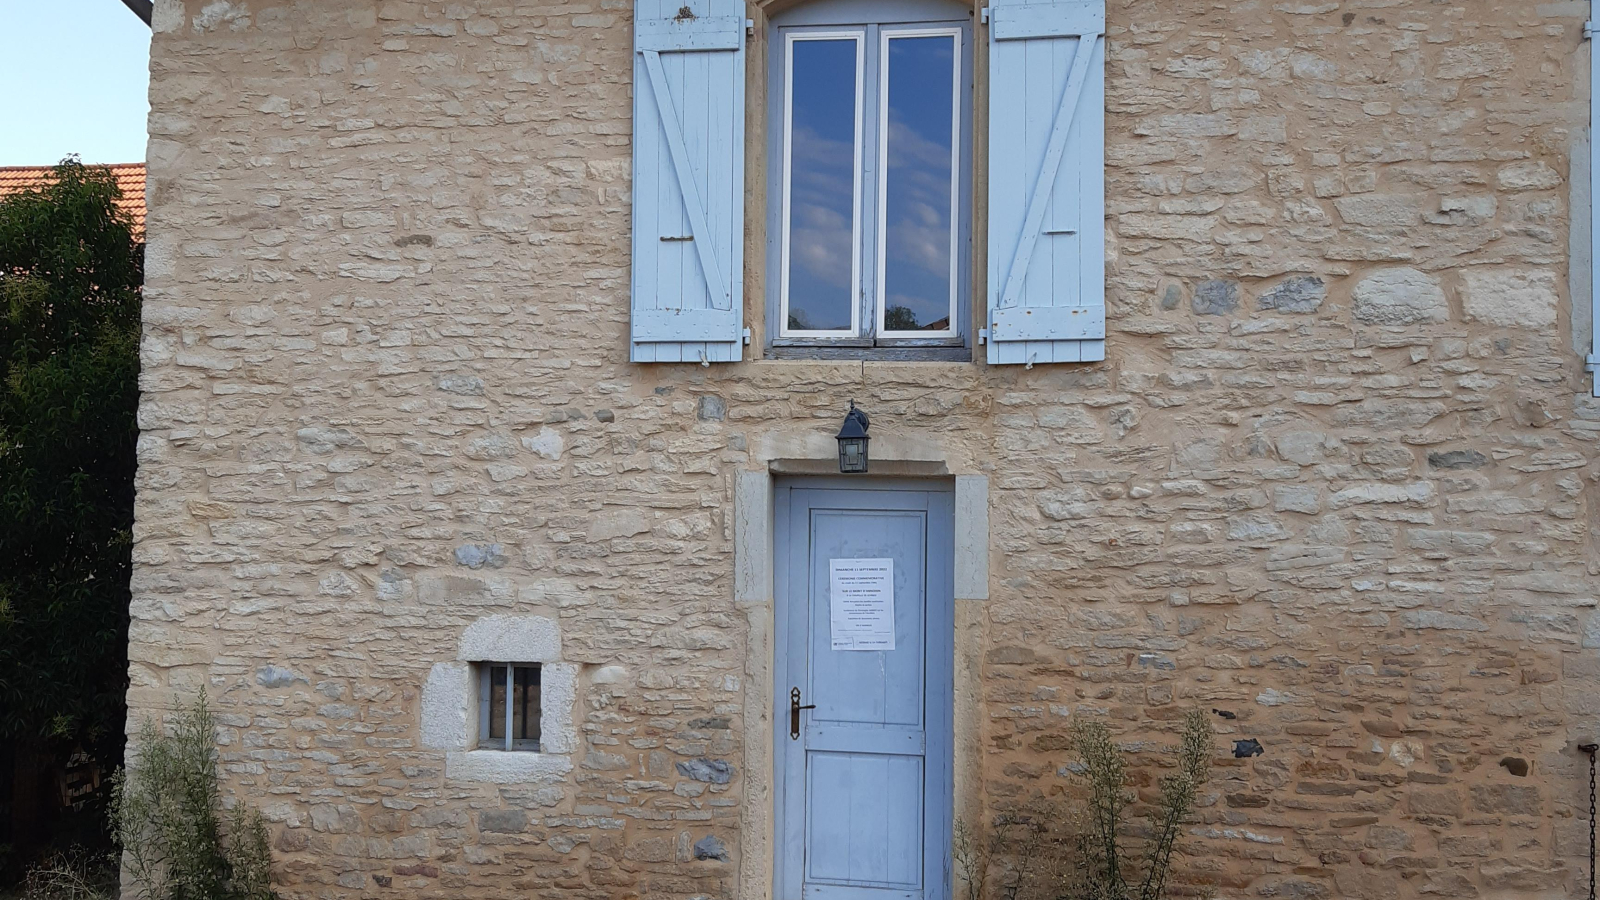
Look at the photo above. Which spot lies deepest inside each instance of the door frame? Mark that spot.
(938, 880)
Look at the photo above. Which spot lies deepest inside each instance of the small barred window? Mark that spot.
(508, 706)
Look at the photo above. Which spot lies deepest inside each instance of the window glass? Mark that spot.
(822, 203)
(497, 702)
(870, 170)
(917, 240)
(525, 715)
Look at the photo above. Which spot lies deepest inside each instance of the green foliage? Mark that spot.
(900, 318)
(1099, 854)
(177, 842)
(71, 271)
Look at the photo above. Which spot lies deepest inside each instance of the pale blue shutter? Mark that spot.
(1047, 91)
(688, 180)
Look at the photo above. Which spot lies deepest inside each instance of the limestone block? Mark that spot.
(1400, 296)
(1511, 298)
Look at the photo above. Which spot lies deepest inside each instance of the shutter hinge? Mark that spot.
(750, 27)
(983, 336)
(747, 337)
(1591, 363)
(984, 16)
(1588, 30)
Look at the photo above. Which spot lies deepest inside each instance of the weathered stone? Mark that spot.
(1511, 298)
(1444, 621)
(465, 385)
(277, 676)
(713, 771)
(548, 443)
(480, 556)
(1384, 211)
(1512, 799)
(1457, 459)
(1533, 175)
(1388, 416)
(1215, 298)
(710, 847)
(1296, 294)
(711, 408)
(503, 821)
(1296, 498)
(1401, 296)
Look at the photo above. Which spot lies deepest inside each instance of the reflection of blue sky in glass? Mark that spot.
(822, 184)
(917, 248)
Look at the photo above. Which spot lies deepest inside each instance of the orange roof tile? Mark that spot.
(130, 178)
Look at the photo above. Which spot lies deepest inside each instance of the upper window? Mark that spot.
(870, 168)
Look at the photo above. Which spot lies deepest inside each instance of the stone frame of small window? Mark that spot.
(450, 709)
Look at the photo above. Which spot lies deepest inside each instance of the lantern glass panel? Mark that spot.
(852, 456)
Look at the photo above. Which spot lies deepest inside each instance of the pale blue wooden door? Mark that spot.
(865, 790)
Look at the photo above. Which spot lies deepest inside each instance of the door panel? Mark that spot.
(864, 792)
(861, 687)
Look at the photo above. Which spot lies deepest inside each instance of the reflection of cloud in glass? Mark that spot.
(917, 207)
(822, 184)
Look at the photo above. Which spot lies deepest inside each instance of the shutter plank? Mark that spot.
(1046, 171)
(684, 166)
(1020, 21)
(703, 33)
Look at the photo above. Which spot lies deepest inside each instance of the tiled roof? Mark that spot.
(130, 178)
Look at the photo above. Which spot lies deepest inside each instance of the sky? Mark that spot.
(74, 78)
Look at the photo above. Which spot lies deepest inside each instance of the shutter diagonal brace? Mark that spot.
(716, 285)
(1033, 223)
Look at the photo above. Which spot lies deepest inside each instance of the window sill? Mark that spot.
(506, 767)
(880, 354)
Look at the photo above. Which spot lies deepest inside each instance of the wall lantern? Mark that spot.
(853, 442)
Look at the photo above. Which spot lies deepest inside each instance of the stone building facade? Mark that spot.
(1336, 478)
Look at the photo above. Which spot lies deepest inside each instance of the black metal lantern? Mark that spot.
(853, 442)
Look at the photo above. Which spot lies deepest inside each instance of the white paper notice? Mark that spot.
(862, 603)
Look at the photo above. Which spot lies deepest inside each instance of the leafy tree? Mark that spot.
(71, 271)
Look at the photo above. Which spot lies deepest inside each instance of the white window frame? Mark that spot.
(871, 26)
(885, 35)
(790, 39)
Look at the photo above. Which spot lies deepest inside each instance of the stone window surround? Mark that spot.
(814, 453)
(450, 705)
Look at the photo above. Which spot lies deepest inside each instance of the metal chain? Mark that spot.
(1590, 749)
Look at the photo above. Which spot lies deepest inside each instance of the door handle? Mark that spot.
(794, 713)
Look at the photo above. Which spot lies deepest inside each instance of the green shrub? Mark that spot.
(1099, 852)
(177, 842)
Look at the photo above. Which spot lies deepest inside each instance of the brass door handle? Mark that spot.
(794, 713)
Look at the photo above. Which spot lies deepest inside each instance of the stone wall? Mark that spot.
(1336, 478)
